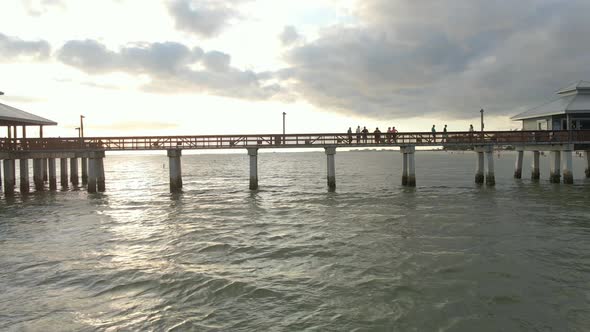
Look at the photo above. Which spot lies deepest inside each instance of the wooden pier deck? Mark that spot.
(316, 140)
(90, 151)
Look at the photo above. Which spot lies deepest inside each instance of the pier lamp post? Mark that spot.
(284, 113)
(78, 129)
(481, 111)
(482, 137)
(82, 125)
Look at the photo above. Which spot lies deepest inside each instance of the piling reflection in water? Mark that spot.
(291, 256)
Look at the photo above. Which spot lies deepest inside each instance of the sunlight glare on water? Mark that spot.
(447, 255)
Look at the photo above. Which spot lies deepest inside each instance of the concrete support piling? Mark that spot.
(331, 163)
(535, 173)
(45, 176)
(554, 172)
(409, 166)
(9, 180)
(479, 171)
(38, 174)
(91, 186)
(175, 170)
(518, 164)
(24, 176)
(52, 174)
(253, 153)
(84, 162)
(568, 176)
(74, 171)
(63, 172)
(587, 153)
(99, 169)
(490, 175)
(404, 168)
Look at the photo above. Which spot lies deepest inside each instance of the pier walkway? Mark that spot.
(450, 139)
(91, 151)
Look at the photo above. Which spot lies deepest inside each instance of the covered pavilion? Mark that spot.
(570, 110)
(11, 118)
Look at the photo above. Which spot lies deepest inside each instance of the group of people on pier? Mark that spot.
(389, 137)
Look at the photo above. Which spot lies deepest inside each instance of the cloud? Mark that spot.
(135, 125)
(417, 58)
(172, 67)
(40, 7)
(12, 48)
(205, 18)
(289, 35)
(216, 61)
(158, 58)
(23, 99)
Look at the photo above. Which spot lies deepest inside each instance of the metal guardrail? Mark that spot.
(450, 139)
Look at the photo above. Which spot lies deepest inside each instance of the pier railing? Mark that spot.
(450, 139)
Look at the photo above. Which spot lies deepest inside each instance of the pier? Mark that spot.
(86, 154)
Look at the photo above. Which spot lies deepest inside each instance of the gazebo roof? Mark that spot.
(572, 99)
(11, 116)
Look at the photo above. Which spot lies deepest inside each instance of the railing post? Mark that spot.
(587, 153)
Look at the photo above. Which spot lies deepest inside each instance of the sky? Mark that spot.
(197, 67)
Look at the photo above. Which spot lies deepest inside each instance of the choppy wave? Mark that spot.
(446, 256)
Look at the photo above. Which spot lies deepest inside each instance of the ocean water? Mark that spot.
(447, 255)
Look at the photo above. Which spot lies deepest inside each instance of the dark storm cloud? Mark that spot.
(424, 57)
(172, 67)
(12, 48)
(205, 18)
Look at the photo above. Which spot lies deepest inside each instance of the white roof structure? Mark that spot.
(11, 116)
(572, 99)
